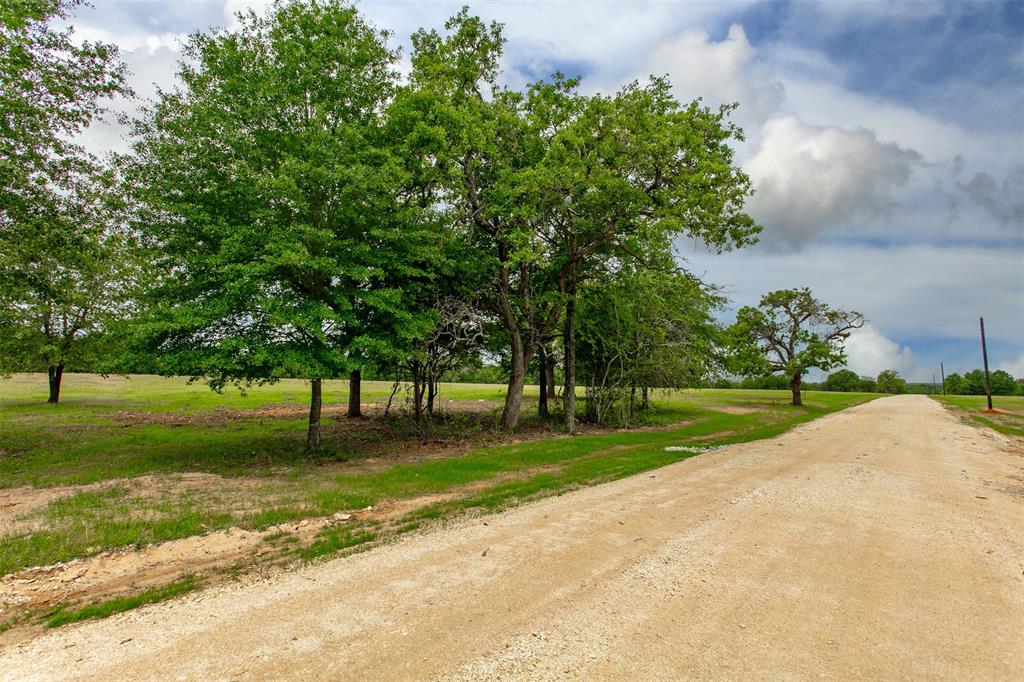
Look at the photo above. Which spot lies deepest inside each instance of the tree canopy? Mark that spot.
(889, 381)
(790, 332)
(549, 185)
(274, 204)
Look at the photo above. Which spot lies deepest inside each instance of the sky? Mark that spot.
(885, 141)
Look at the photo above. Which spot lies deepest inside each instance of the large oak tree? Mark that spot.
(790, 332)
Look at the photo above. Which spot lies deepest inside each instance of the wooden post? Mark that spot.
(984, 357)
(942, 369)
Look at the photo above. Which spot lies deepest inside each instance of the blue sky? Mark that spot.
(885, 139)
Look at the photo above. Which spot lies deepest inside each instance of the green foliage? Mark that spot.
(955, 384)
(1002, 383)
(551, 187)
(846, 381)
(973, 383)
(65, 276)
(790, 332)
(642, 329)
(273, 200)
(889, 381)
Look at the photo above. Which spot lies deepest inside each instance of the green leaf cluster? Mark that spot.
(280, 214)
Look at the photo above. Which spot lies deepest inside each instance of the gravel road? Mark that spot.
(882, 542)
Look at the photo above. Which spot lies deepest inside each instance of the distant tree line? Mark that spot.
(889, 381)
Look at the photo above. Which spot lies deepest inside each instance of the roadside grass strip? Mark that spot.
(63, 616)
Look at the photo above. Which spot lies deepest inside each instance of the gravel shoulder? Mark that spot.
(885, 541)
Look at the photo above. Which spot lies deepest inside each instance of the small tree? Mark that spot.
(974, 382)
(641, 329)
(890, 382)
(790, 332)
(61, 278)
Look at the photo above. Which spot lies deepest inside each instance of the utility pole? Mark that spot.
(984, 357)
(942, 369)
(933, 383)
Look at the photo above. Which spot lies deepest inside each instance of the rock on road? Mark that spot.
(885, 541)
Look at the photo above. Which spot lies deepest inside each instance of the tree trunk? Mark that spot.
(417, 394)
(516, 381)
(55, 374)
(551, 374)
(632, 402)
(569, 395)
(313, 434)
(645, 398)
(542, 371)
(794, 386)
(355, 381)
(431, 393)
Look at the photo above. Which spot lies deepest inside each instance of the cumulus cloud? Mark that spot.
(809, 178)
(720, 72)
(868, 352)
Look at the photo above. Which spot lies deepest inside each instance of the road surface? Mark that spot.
(885, 541)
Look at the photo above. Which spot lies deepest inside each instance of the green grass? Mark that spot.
(103, 428)
(89, 522)
(62, 616)
(293, 485)
(1010, 422)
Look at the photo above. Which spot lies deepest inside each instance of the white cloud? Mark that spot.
(868, 352)
(809, 178)
(723, 72)
(148, 69)
(1014, 367)
(824, 102)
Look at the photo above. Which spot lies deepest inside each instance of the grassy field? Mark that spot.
(119, 427)
(133, 461)
(1009, 420)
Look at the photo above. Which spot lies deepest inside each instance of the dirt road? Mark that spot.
(882, 542)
